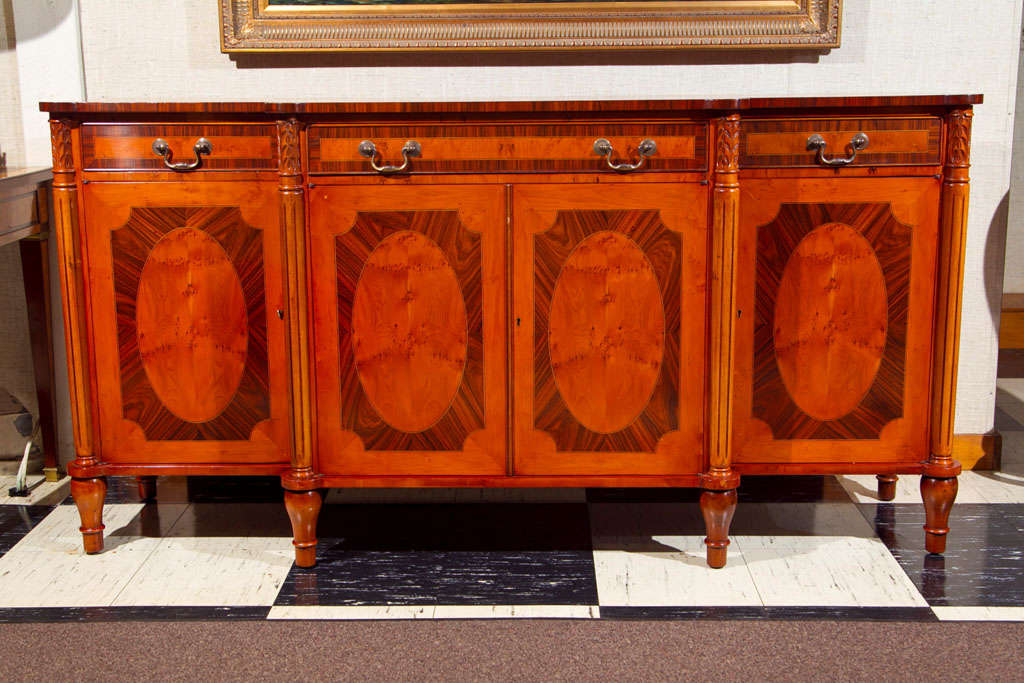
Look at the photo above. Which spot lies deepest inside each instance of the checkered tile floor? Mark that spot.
(802, 548)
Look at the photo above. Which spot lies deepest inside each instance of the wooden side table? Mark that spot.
(24, 218)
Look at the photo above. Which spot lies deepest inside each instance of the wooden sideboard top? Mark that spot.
(552, 106)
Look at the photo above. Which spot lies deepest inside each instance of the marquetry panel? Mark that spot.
(831, 326)
(606, 368)
(507, 148)
(604, 278)
(186, 320)
(128, 147)
(409, 329)
(191, 323)
(410, 326)
(892, 141)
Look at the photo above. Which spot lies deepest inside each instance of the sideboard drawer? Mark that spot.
(129, 147)
(907, 141)
(492, 148)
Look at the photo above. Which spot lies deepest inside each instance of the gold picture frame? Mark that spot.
(405, 25)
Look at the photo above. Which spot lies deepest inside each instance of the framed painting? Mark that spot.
(340, 25)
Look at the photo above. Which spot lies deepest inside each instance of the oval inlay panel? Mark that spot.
(831, 320)
(409, 331)
(192, 324)
(606, 332)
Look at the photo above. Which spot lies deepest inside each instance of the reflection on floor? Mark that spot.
(802, 548)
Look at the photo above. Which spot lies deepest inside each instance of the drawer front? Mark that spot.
(891, 141)
(551, 148)
(129, 147)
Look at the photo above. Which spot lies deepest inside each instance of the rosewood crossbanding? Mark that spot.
(511, 307)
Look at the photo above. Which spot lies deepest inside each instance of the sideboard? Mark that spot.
(616, 293)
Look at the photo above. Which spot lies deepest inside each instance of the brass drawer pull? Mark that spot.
(409, 149)
(604, 148)
(857, 143)
(202, 146)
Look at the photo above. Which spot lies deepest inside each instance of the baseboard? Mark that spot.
(978, 451)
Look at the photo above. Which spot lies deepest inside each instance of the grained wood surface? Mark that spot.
(192, 321)
(191, 324)
(181, 278)
(644, 106)
(409, 318)
(891, 141)
(898, 219)
(408, 329)
(606, 331)
(507, 148)
(113, 147)
(604, 277)
(831, 321)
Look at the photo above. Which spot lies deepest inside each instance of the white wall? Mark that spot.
(169, 50)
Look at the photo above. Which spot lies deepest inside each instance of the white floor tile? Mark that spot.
(979, 613)
(457, 495)
(46, 493)
(678, 579)
(211, 571)
(516, 612)
(825, 571)
(55, 578)
(352, 612)
(59, 530)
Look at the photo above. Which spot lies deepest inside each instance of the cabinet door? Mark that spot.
(189, 365)
(410, 334)
(834, 342)
(609, 352)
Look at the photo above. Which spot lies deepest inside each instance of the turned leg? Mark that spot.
(303, 508)
(147, 488)
(88, 495)
(938, 495)
(887, 486)
(718, 508)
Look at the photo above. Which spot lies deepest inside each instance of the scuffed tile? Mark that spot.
(826, 571)
(353, 612)
(210, 571)
(680, 578)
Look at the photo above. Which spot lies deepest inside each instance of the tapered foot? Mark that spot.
(938, 495)
(887, 486)
(718, 508)
(88, 495)
(303, 509)
(147, 489)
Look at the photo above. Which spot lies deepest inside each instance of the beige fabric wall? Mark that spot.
(12, 139)
(169, 50)
(15, 358)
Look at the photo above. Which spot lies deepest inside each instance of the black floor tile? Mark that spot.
(18, 520)
(492, 554)
(984, 559)
(753, 489)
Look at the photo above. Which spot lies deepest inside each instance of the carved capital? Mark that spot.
(727, 144)
(289, 148)
(60, 139)
(958, 138)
